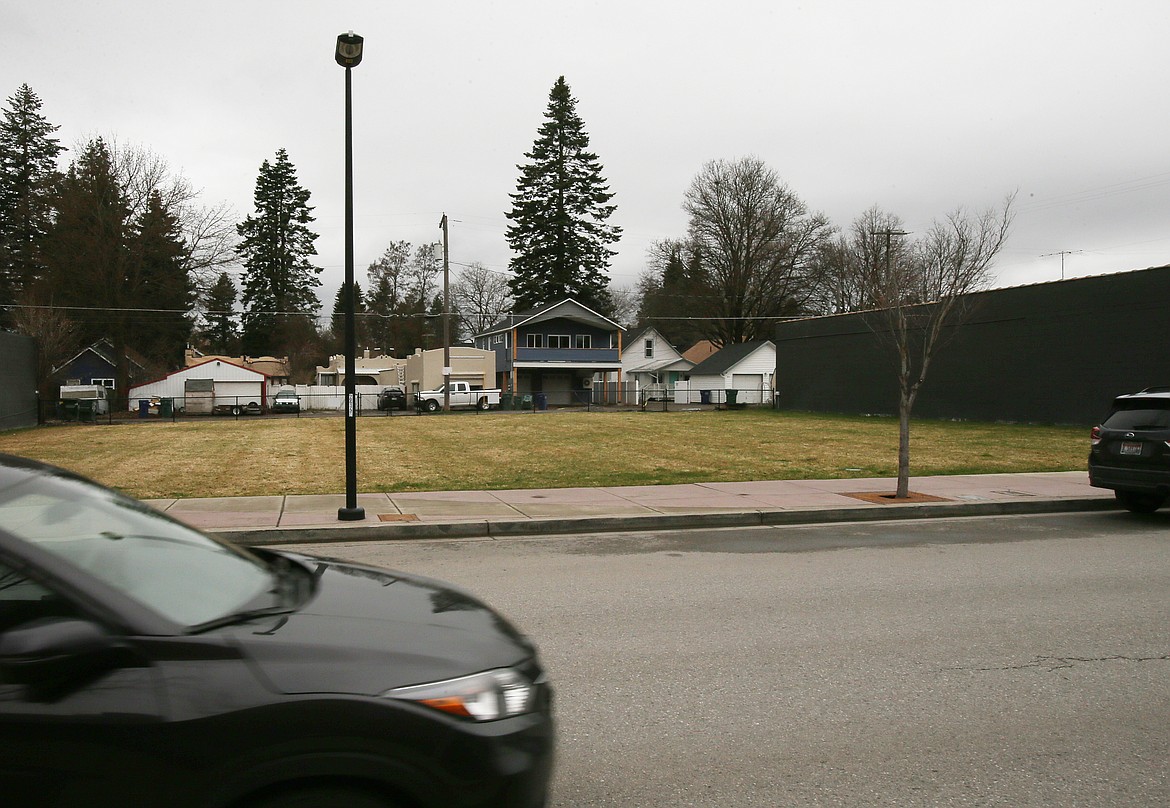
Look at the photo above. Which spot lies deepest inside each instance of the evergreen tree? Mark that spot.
(276, 244)
(559, 232)
(87, 255)
(380, 307)
(164, 292)
(28, 180)
(359, 322)
(221, 332)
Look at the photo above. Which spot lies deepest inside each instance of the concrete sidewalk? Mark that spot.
(455, 514)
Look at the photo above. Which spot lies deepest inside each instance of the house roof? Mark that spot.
(187, 371)
(104, 350)
(727, 358)
(700, 351)
(568, 309)
(669, 363)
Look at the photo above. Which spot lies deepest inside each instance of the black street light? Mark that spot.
(349, 55)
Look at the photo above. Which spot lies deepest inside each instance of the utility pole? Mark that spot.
(888, 233)
(1062, 254)
(446, 317)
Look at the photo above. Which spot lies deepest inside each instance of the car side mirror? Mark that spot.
(51, 655)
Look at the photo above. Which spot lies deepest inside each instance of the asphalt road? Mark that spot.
(998, 661)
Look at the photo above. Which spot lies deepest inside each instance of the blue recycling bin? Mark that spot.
(541, 401)
(704, 396)
(143, 407)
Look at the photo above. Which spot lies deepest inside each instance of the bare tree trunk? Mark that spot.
(905, 404)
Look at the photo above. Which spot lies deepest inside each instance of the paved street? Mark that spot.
(996, 661)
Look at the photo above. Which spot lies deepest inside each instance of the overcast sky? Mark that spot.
(918, 106)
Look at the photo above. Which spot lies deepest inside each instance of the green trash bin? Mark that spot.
(166, 407)
(505, 401)
(731, 394)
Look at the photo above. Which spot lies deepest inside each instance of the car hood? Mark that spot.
(365, 630)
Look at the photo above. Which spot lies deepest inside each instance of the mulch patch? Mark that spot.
(883, 498)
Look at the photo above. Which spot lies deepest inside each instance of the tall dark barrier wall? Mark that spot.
(18, 381)
(1047, 353)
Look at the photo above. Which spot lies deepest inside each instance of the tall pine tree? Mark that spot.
(28, 181)
(122, 277)
(276, 244)
(221, 332)
(559, 232)
(165, 291)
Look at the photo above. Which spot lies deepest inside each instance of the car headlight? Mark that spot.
(486, 696)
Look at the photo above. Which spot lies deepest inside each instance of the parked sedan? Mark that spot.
(392, 398)
(144, 663)
(286, 401)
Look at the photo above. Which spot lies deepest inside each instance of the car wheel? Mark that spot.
(483, 404)
(236, 410)
(432, 405)
(1137, 502)
(324, 797)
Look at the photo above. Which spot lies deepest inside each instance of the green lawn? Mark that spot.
(220, 457)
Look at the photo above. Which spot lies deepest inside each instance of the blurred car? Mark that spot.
(144, 663)
(1130, 450)
(392, 398)
(286, 401)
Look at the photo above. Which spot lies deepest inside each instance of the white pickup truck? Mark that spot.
(461, 396)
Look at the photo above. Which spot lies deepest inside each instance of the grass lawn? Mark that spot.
(220, 457)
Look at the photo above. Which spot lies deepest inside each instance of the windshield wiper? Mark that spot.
(242, 616)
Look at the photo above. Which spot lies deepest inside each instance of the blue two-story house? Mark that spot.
(557, 350)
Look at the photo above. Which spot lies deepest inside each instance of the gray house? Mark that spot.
(555, 351)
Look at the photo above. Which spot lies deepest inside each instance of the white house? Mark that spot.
(199, 388)
(651, 366)
(747, 368)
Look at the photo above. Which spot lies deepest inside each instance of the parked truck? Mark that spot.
(462, 395)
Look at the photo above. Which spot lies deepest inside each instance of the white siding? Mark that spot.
(174, 385)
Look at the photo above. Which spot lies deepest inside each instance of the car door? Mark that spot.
(88, 737)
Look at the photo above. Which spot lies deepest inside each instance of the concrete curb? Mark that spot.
(488, 529)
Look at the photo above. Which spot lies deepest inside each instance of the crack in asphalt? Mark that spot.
(1051, 663)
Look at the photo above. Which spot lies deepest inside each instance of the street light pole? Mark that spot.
(446, 318)
(349, 55)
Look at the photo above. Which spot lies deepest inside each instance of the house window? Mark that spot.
(103, 382)
(535, 340)
(558, 340)
(583, 341)
(649, 349)
(499, 338)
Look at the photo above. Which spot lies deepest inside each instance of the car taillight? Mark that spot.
(1095, 436)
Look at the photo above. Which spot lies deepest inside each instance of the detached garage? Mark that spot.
(740, 373)
(214, 385)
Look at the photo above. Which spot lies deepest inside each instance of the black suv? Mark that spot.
(1131, 450)
(392, 398)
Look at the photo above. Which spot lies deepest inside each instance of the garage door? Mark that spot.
(748, 385)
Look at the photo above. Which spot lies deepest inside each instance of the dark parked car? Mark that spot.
(392, 398)
(1131, 450)
(143, 663)
(286, 401)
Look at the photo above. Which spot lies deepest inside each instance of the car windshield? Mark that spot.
(1140, 415)
(169, 568)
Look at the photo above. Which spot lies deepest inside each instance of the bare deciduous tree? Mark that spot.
(479, 298)
(756, 242)
(208, 233)
(918, 291)
(56, 335)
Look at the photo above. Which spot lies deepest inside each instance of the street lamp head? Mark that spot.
(349, 50)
